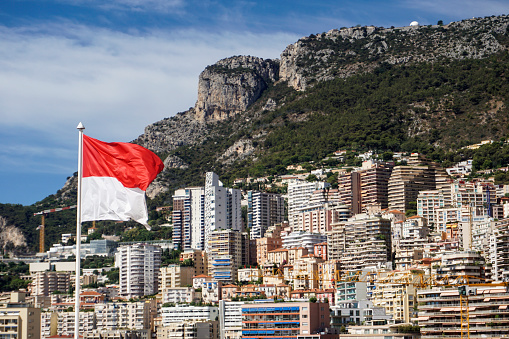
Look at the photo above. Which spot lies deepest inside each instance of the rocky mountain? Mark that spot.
(237, 85)
(431, 89)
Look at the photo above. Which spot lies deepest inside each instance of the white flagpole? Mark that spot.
(78, 235)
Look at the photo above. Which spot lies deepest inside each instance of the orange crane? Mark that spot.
(40, 228)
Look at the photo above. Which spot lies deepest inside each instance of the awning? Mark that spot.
(502, 307)
(423, 318)
(486, 299)
(449, 293)
(447, 309)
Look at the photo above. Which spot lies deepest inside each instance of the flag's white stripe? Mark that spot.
(105, 198)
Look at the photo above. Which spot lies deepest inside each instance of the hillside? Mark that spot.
(430, 89)
(426, 89)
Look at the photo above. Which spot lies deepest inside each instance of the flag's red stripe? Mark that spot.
(133, 165)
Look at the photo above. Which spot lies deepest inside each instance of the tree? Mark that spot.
(440, 23)
(313, 299)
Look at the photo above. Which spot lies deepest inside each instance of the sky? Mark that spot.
(120, 65)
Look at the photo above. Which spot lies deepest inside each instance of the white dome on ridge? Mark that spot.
(414, 23)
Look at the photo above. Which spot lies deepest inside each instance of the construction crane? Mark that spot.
(40, 228)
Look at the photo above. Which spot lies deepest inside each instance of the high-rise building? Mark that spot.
(361, 243)
(139, 270)
(367, 186)
(407, 181)
(499, 250)
(263, 211)
(189, 218)
(222, 207)
(228, 249)
(299, 195)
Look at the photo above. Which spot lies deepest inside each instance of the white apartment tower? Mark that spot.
(222, 207)
(139, 270)
(299, 194)
(188, 218)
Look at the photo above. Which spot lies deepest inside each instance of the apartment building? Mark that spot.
(286, 319)
(499, 251)
(63, 323)
(45, 283)
(228, 249)
(222, 207)
(366, 186)
(230, 318)
(182, 313)
(188, 218)
(189, 329)
(263, 211)
(303, 239)
(173, 276)
(139, 266)
(125, 315)
(177, 295)
(199, 258)
(462, 263)
(361, 243)
(19, 319)
(407, 181)
(299, 194)
(317, 218)
(443, 312)
(398, 299)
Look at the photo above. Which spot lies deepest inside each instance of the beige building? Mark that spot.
(45, 283)
(360, 243)
(19, 320)
(62, 323)
(228, 250)
(264, 246)
(407, 181)
(175, 276)
(199, 258)
(249, 274)
(397, 298)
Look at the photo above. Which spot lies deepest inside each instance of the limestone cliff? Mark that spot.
(11, 237)
(230, 86)
(344, 52)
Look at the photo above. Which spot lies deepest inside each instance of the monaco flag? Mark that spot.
(115, 178)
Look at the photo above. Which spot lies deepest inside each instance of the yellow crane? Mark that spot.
(40, 228)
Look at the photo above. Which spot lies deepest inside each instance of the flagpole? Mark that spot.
(78, 235)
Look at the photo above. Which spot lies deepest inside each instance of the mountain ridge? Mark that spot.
(432, 89)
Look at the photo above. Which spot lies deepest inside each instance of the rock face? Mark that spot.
(230, 86)
(241, 149)
(11, 237)
(343, 53)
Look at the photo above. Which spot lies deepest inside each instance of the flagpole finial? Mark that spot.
(80, 126)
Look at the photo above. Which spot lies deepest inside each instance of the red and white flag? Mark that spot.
(115, 178)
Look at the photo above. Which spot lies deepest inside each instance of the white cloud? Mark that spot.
(163, 6)
(119, 82)
(115, 83)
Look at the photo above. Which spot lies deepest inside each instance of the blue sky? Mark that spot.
(119, 65)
